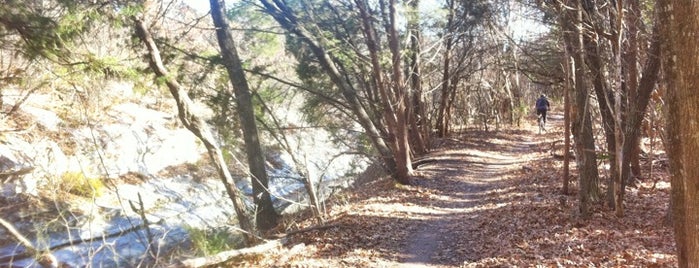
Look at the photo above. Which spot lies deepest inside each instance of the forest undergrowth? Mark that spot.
(482, 199)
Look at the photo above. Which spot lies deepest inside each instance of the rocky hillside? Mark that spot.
(114, 180)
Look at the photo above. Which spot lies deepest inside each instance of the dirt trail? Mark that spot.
(482, 199)
(463, 172)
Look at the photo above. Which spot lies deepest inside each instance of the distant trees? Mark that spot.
(378, 69)
(374, 90)
(680, 55)
(464, 25)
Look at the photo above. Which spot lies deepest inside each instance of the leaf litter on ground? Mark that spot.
(488, 200)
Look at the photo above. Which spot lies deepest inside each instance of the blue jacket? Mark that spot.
(542, 104)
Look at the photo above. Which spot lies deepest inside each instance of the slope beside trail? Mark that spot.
(481, 199)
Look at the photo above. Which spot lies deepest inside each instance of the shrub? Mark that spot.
(211, 241)
(77, 183)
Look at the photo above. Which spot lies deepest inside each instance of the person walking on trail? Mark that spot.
(542, 106)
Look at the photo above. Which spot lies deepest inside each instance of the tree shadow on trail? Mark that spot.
(378, 236)
(474, 204)
(505, 142)
(520, 225)
(497, 213)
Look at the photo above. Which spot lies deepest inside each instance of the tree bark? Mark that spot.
(197, 126)
(419, 129)
(442, 124)
(605, 98)
(403, 154)
(631, 58)
(392, 115)
(265, 216)
(639, 103)
(680, 54)
(637, 107)
(620, 94)
(605, 75)
(582, 125)
(567, 88)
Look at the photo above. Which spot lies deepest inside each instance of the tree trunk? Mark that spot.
(391, 92)
(419, 129)
(265, 216)
(680, 54)
(509, 102)
(404, 165)
(607, 84)
(453, 83)
(638, 105)
(582, 125)
(621, 95)
(585, 147)
(219, 259)
(197, 126)
(567, 88)
(517, 93)
(631, 58)
(442, 124)
(606, 105)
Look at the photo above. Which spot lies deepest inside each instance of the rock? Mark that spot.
(12, 172)
(45, 118)
(140, 143)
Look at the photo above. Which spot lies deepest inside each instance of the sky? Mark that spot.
(522, 27)
(200, 5)
(203, 5)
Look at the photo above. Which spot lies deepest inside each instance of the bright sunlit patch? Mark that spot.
(663, 185)
(410, 211)
(200, 5)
